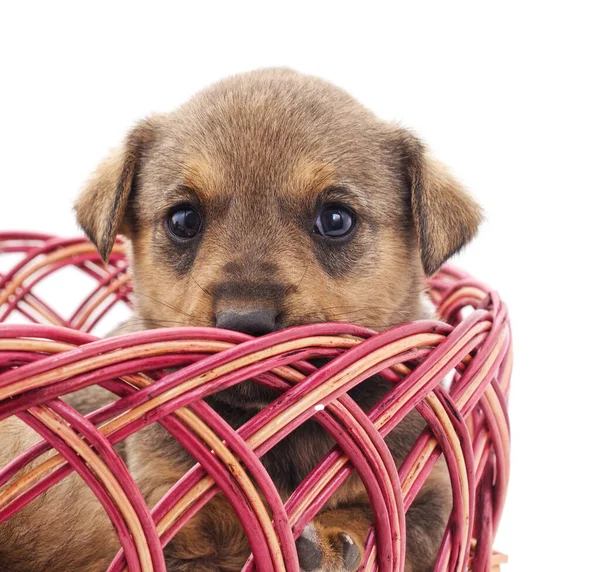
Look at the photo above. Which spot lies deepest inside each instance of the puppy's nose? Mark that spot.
(254, 322)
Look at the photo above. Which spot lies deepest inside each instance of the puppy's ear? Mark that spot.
(445, 216)
(101, 208)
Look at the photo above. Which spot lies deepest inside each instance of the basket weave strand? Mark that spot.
(467, 422)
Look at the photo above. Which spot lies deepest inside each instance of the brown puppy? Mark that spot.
(268, 200)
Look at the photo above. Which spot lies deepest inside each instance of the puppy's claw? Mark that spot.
(327, 551)
(309, 553)
(351, 553)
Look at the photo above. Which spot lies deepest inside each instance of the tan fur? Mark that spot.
(258, 152)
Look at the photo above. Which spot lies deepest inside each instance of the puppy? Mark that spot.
(268, 200)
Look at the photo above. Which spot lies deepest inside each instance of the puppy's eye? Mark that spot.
(334, 221)
(184, 221)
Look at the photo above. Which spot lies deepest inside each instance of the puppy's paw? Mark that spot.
(325, 549)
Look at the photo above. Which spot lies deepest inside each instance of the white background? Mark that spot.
(506, 95)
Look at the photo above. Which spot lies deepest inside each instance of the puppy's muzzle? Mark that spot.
(255, 322)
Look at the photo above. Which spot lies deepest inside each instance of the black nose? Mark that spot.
(253, 322)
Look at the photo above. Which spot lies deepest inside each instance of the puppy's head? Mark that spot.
(272, 199)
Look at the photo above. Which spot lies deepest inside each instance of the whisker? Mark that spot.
(167, 305)
(294, 287)
(207, 292)
(367, 309)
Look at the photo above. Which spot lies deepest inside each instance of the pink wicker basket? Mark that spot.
(467, 423)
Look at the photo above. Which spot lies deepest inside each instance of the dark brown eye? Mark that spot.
(184, 221)
(334, 221)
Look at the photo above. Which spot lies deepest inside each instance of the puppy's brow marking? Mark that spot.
(202, 174)
(307, 173)
(330, 163)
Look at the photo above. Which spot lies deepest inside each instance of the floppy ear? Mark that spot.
(445, 215)
(101, 208)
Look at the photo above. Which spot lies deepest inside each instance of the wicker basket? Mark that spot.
(467, 423)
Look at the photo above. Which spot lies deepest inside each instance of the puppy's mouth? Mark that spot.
(252, 394)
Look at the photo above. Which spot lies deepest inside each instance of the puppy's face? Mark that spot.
(273, 199)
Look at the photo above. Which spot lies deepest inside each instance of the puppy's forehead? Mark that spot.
(274, 131)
